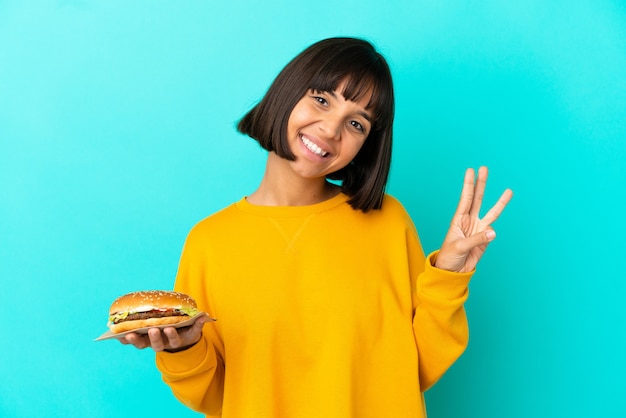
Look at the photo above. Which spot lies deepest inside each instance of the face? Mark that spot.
(326, 131)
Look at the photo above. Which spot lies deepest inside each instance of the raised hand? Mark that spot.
(469, 235)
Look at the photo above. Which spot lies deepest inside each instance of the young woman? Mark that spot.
(326, 304)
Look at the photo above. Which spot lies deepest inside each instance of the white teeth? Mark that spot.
(313, 147)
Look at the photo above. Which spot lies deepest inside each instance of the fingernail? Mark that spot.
(491, 234)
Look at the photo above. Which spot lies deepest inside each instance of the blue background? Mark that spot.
(117, 135)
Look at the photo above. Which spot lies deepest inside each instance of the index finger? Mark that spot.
(139, 341)
(467, 193)
(479, 191)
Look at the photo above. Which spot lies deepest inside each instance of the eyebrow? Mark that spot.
(365, 115)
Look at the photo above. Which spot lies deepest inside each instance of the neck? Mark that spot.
(280, 187)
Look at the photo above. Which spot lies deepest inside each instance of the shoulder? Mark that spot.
(213, 223)
(392, 215)
(392, 203)
(392, 207)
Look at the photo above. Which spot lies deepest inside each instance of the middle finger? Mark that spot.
(156, 339)
(479, 191)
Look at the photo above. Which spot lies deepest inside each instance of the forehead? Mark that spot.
(361, 102)
(358, 94)
(351, 88)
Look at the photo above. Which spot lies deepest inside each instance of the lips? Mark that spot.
(313, 147)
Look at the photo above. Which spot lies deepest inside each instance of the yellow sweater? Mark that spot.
(323, 311)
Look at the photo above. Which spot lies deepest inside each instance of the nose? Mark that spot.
(330, 126)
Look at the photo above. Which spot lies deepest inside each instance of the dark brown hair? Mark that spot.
(321, 67)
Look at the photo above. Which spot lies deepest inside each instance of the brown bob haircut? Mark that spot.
(322, 67)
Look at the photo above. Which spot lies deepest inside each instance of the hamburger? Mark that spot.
(150, 308)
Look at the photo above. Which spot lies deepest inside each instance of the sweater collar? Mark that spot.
(291, 211)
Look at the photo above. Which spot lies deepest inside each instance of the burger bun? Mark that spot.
(150, 308)
(146, 323)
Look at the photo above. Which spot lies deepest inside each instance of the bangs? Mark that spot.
(360, 80)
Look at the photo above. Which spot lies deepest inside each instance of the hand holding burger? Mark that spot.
(167, 339)
(156, 308)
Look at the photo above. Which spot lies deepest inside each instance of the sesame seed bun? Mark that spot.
(150, 308)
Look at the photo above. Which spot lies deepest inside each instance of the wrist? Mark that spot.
(179, 349)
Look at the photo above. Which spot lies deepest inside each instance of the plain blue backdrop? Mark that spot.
(117, 135)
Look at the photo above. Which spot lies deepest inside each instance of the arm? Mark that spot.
(439, 320)
(196, 375)
(190, 359)
(441, 289)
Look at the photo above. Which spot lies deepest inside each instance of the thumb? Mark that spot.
(202, 319)
(479, 239)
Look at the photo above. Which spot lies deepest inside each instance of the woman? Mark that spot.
(326, 303)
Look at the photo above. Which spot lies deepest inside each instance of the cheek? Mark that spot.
(299, 116)
(353, 147)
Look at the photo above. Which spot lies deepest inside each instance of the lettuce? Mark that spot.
(191, 311)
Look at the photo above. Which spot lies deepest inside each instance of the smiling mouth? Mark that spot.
(311, 146)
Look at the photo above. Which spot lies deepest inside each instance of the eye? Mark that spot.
(357, 125)
(320, 100)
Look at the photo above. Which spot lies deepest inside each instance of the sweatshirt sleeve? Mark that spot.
(196, 375)
(439, 321)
